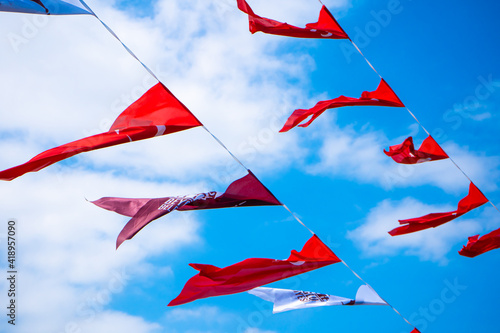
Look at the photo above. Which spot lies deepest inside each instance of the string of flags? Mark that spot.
(158, 112)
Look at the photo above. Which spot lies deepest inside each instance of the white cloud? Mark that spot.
(256, 330)
(433, 244)
(112, 321)
(206, 314)
(69, 268)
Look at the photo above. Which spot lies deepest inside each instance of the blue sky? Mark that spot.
(64, 78)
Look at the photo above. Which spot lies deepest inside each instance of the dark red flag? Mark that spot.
(405, 152)
(473, 200)
(326, 27)
(254, 272)
(476, 246)
(383, 96)
(155, 113)
(246, 191)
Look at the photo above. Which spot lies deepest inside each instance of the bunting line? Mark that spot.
(224, 146)
(206, 129)
(121, 42)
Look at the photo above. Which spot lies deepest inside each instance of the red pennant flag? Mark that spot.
(476, 246)
(383, 96)
(473, 200)
(254, 272)
(405, 152)
(155, 113)
(415, 331)
(246, 191)
(326, 27)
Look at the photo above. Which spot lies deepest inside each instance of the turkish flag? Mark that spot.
(382, 96)
(326, 27)
(406, 153)
(244, 192)
(155, 113)
(254, 272)
(479, 245)
(473, 200)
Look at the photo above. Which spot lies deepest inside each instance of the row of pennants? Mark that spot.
(158, 112)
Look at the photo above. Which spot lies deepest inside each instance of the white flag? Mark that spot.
(286, 299)
(47, 7)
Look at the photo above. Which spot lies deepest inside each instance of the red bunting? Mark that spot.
(405, 152)
(246, 191)
(155, 113)
(254, 272)
(476, 246)
(383, 96)
(326, 27)
(473, 200)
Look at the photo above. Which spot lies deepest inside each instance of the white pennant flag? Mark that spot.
(286, 299)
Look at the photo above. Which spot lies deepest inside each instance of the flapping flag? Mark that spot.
(415, 331)
(479, 245)
(246, 191)
(254, 272)
(473, 200)
(286, 299)
(47, 7)
(155, 113)
(326, 27)
(405, 152)
(383, 96)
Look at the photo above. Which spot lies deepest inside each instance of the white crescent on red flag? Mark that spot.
(326, 27)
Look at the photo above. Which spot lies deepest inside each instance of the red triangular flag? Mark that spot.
(473, 200)
(246, 191)
(383, 96)
(254, 272)
(415, 331)
(476, 246)
(326, 27)
(155, 113)
(405, 152)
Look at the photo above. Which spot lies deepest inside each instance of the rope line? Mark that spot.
(362, 280)
(121, 42)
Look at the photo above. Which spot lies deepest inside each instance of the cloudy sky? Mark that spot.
(64, 78)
